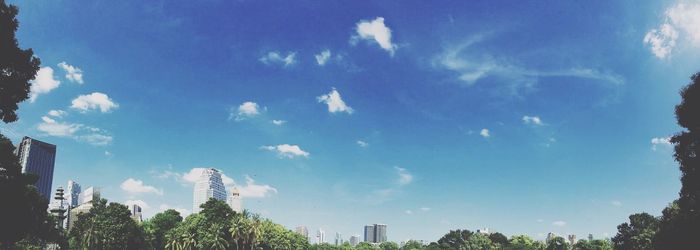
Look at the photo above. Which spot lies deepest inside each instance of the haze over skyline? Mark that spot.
(425, 117)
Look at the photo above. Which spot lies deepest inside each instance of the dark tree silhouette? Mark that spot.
(680, 222)
(17, 66)
(637, 234)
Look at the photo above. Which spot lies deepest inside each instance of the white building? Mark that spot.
(338, 239)
(234, 200)
(354, 240)
(303, 231)
(209, 185)
(136, 213)
(320, 236)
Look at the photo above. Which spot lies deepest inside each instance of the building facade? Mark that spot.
(38, 158)
(338, 239)
(369, 234)
(136, 213)
(72, 193)
(209, 185)
(234, 200)
(320, 236)
(354, 240)
(380, 233)
(302, 230)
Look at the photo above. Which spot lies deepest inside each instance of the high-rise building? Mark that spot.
(89, 195)
(338, 239)
(209, 185)
(38, 158)
(590, 237)
(320, 236)
(379, 233)
(136, 212)
(354, 240)
(234, 200)
(85, 200)
(572, 239)
(302, 230)
(73, 193)
(369, 233)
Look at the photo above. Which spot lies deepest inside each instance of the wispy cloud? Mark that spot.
(559, 223)
(287, 151)
(249, 189)
(134, 186)
(76, 131)
(404, 176)
(276, 58)
(534, 120)
(73, 74)
(96, 100)
(679, 19)
(245, 110)
(660, 141)
(485, 133)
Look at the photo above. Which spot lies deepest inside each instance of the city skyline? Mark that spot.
(335, 118)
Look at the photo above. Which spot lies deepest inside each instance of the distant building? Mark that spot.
(234, 200)
(375, 233)
(302, 230)
(380, 232)
(72, 193)
(483, 231)
(354, 240)
(369, 234)
(89, 195)
(590, 237)
(551, 236)
(136, 213)
(338, 239)
(572, 239)
(208, 185)
(38, 158)
(85, 200)
(320, 236)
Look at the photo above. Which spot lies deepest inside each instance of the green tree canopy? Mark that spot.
(160, 224)
(637, 234)
(17, 66)
(106, 227)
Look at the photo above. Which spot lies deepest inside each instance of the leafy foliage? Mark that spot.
(637, 234)
(17, 66)
(107, 227)
(159, 225)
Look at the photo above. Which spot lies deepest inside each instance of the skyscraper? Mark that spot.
(38, 158)
(303, 231)
(136, 212)
(380, 233)
(320, 236)
(354, 240)
(234, 200)
(73, 193)
(338, 239)
(209, 185)
(369, 233)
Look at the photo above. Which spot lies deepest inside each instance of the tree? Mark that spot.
(478, 241)
(389, 245)
(107, 227)
(365, 246)
(454, 239)
(593, 245)
(412, 245)
(637, 234)
(17, 66)
(681, 221)
(521, 242)
(499, 239)
(160, 224)
(558, 243)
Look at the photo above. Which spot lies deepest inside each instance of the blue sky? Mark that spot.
(526, 118)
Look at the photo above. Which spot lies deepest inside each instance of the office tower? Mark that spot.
(369, 234)
(320, 236)
(234, 200)
(550, 236)
(572, 239)
(89, 195)
(38, 158)
(302, 230)
(354, 240)
(73, 193)
(209, 185)
(338, 239)
(379, 233)
(136, 212)
(590, 237)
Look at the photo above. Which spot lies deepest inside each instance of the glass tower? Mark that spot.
(38, 158)
(209, 185)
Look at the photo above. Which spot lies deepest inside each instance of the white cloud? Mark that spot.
(362, 143)
(134, 186)
(376, 31)
(663, 141)
(616, 203)
(73, 74)
(535, 120)
(409, 212)
(323, 57)
(485, 133)
(279, 122)
(335, 102)
(404, 176)
(76, 131)
(245, 110)
(193, 175)
(43, 83)
(57, 113)
(425, 209)
(286, 150)
(473, 65)
(253, 190)
(96, 100)
(559, 223)
(274, 57)
(680, 19)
